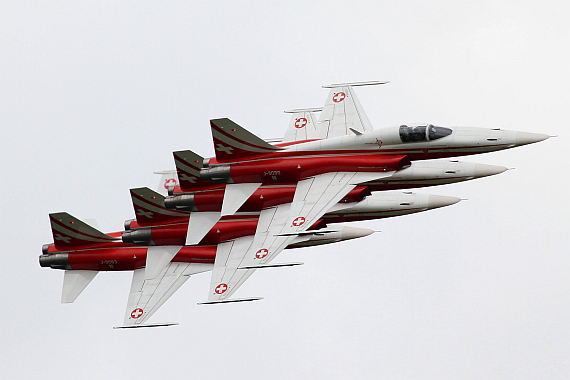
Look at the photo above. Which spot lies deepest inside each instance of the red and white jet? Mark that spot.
(323, 171)
(153, 245)
(236, 212)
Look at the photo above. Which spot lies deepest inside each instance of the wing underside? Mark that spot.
(148, 295)
(278, 227)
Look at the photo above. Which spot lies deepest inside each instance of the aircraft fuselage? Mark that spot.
(388, 149)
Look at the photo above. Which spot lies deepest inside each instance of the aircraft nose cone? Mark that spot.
(482, 170)
(524, 138)
(355, 232)
(435, 201)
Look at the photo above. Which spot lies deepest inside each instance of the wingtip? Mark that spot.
(315, 109)
(235, 300)
(356, 84)
(146, 325)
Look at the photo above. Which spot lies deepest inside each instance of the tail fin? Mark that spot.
(69, 232)
(167, 180)
(303, 125)
(149, 207)
(232, 141)
(188, 165)
(343, 111)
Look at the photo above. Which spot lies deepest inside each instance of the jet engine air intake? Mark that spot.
(356, 195)
(405, 163)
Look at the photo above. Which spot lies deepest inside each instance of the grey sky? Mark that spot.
(94, 96)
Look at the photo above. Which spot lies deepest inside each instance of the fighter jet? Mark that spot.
(235, 213)
(152, 246)
(324, 170)
(157, 225)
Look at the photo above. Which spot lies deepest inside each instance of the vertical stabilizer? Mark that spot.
(69, 232)
(188, 166)
(303, 125)
(343, 112)
(168, 180)
(233, 142)
(149, 207)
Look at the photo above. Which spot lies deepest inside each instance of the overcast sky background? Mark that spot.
(96, 95)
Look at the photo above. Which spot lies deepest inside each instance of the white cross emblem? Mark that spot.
(300, 123)
(299, 221)
(185, 177)
(146, 214)
(221, 288)
(261, 253)
(225, 149)
(137, 313)
(65, 239)
(339, 97)
(170, 182)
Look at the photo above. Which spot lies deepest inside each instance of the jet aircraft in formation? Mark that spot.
(234, 213)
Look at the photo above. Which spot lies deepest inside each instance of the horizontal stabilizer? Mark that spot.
(233, 142)
(235, 196)
(199, 225)
(270, 265)
(158, 258)
(69, 231)
(149, 325)
(74, 282)
(231, 300)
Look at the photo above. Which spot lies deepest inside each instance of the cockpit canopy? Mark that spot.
(422, 133)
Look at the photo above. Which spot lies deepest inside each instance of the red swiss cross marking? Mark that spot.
(137, 313)
(300, 123)
(170, 182)
(339, 97)
(221, 288)
(261, 253)
(299, 221)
